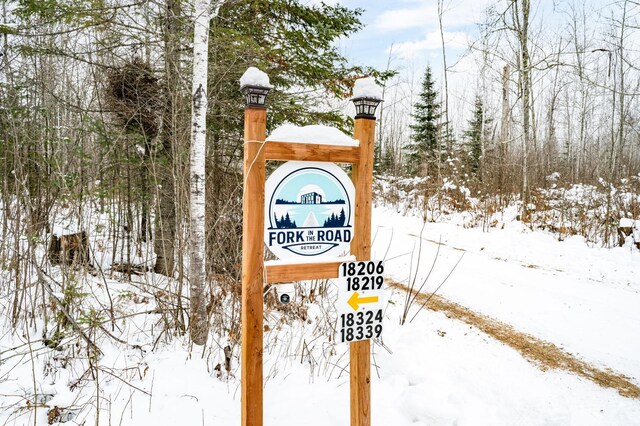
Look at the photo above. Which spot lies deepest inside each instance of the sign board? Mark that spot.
(309, 208)
(360, 302)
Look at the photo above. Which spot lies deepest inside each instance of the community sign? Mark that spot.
(308, 210)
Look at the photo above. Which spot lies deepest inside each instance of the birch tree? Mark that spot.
(446, 80)
(504, 127)
(520, 15)
(199, 326)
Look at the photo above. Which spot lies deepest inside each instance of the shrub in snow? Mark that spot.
(580, 210)
(423, 196)
(587, 210)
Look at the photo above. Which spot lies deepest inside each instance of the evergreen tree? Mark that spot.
(330, 221)
(294, 43)
(377, 158)
(426, 147)
(335, 221)
(388, 161)
(284, 222)
(474, 139)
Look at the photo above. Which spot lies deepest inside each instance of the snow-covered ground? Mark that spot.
(582, 298)
(433, 371)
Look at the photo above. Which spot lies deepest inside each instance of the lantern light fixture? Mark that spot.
(255, 96)
(366, 107)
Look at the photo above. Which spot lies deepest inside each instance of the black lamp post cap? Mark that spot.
(366, 106)
(255, 96)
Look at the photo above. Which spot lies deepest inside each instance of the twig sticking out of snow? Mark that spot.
(42, 279)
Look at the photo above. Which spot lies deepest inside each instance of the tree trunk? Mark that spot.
(550, 142)
(504, 128)
(523, 36)
(446, 81)
(619, 133)
(199, 325)
(165, 225)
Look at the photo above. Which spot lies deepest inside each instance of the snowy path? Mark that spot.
(583, 299)
(543, 354)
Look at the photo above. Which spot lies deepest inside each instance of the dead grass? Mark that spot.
(543, 354)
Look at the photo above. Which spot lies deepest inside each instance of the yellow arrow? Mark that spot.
(354, 301)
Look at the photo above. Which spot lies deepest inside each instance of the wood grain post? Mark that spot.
(255, 120)
(360, 352)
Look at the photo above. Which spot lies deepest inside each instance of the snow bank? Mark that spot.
(254, 77)
(311, 134)
(367, 88)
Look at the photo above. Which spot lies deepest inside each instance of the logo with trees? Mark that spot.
(308, 210)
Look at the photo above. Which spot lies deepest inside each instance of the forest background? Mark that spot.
(95, 119)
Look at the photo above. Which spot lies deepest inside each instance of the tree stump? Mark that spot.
(70, 249)
(629, 227)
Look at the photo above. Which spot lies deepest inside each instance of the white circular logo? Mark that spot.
(308, 210)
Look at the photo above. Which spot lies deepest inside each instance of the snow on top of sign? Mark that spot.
(254, 77)
(367, 88)
(311, 134)
(319, 259)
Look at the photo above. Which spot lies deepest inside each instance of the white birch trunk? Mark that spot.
(199, 326)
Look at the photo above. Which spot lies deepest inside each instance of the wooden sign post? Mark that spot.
(360, 352)
(256, 153)
(255, 124)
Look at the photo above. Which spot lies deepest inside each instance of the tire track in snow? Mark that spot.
(542, 354)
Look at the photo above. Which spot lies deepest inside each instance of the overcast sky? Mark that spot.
(411, 27)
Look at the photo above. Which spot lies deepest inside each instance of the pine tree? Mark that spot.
(294, 43)
(474, 139)
(388, 161)
(287, 221)
(426, 148)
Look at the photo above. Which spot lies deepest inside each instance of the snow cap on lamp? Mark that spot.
(366, 97)
(254, 84)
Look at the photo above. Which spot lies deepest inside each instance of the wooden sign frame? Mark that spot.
(254, 274)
